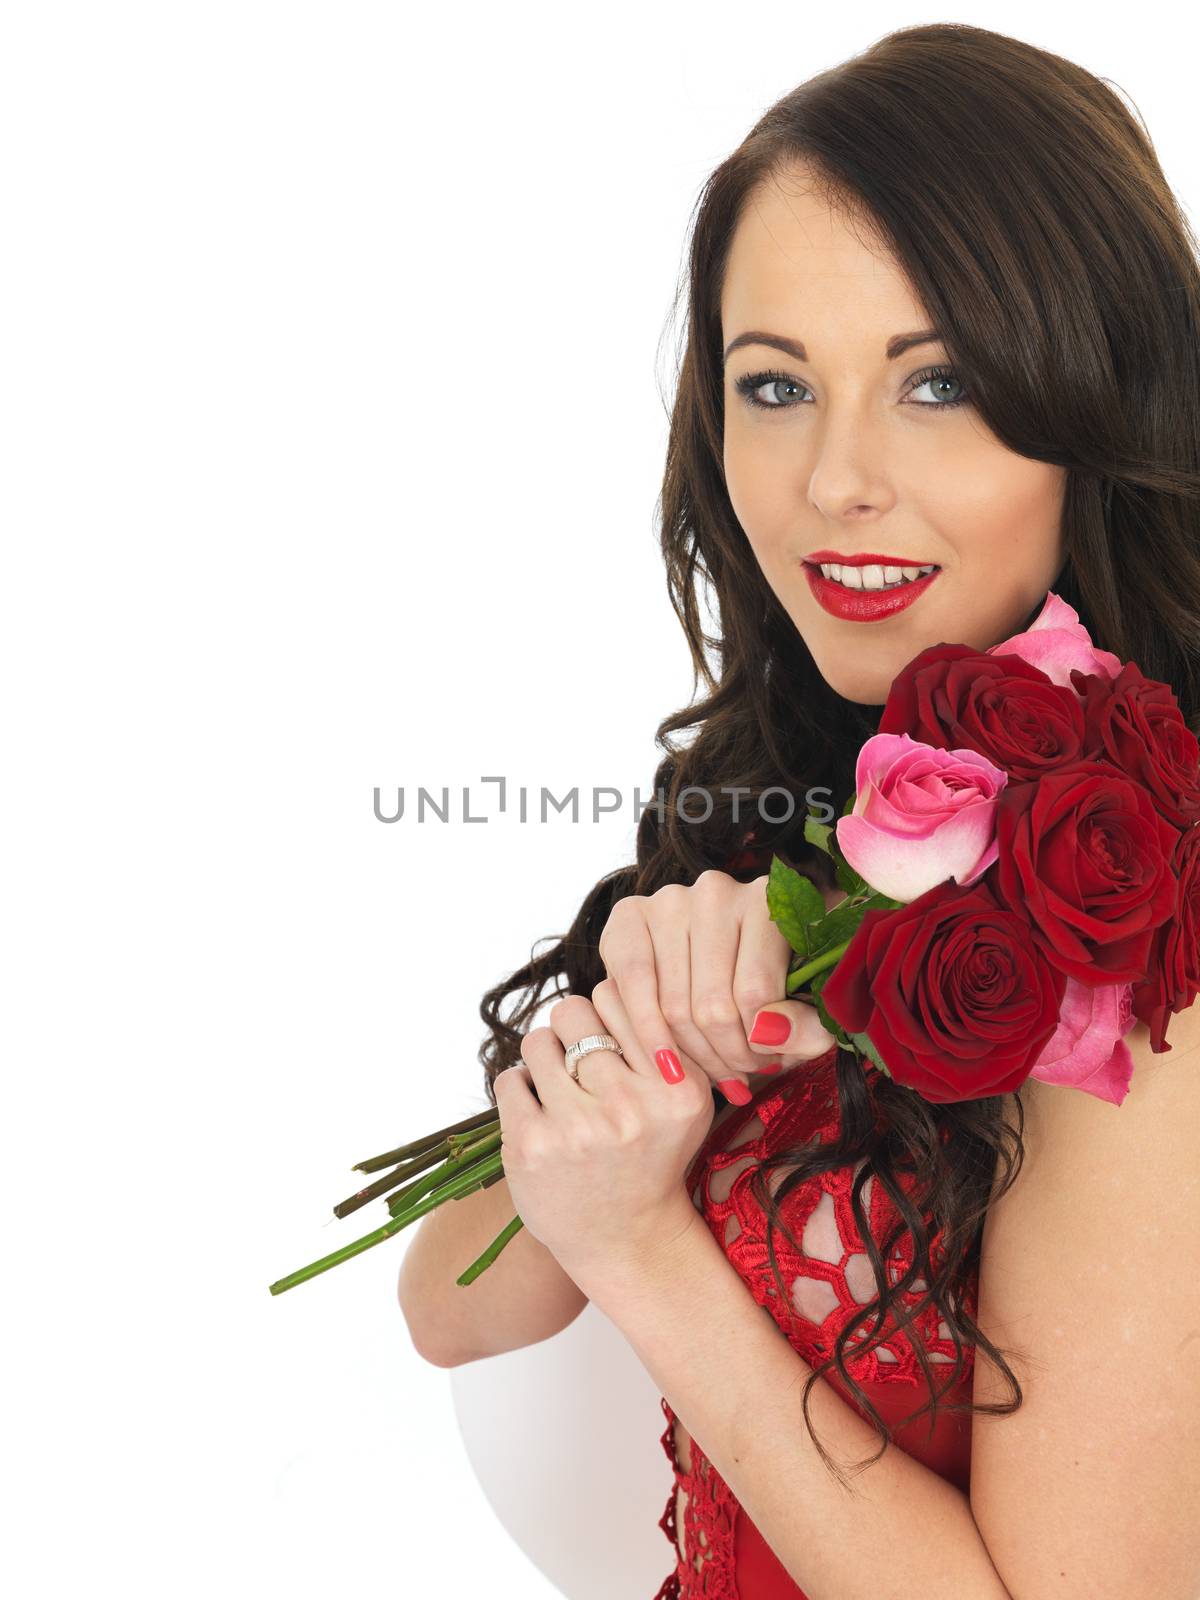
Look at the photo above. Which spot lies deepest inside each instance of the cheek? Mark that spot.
(1022, 534)
(763, 497)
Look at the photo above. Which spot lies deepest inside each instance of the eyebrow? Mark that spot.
(896, 345)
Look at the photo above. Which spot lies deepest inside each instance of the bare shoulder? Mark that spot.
(1088, 1283)
(1161, 1084)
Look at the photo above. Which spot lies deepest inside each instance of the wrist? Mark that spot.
(643, 1261)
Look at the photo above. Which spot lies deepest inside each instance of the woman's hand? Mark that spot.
(597, 1169)
(695, 967)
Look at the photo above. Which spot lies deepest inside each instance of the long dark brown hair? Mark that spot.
(1028, 208)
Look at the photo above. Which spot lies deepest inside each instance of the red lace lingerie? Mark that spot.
(720, 1554)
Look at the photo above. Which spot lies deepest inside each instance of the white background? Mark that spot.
(336, 347)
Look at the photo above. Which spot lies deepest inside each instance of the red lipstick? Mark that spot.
(864, 605)
(869, 560)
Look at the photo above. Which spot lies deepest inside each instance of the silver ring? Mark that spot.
(583, 1047)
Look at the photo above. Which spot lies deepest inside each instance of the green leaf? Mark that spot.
(864, 1045)
(829, 1023)
(842, 922)
(849, 806)
(794, 903)
(818, 833)
(853, 882)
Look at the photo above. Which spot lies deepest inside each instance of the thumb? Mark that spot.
(790, 1028)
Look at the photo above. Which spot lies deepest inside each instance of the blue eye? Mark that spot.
(749, 386)
(756, 380)
(939, 375)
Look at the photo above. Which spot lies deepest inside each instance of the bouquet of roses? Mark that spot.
(1019, 860)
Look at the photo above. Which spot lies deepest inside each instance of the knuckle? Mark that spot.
(578, 1142)
(531, 1041)
(529, 1153)
(626, 1108)
(628, 908)
(755, 993)
(563, 1010)
(603, 991)
(688, 1097)
(669, 891)
(675, 1008)
(669, 894)
(635, 970)
(712, 878)
(715, 1010)
(617, 923)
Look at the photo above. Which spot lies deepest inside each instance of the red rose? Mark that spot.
(1173, 980)
(1135, 722)
(951, 992)
(1087, 858)
(1002, 706)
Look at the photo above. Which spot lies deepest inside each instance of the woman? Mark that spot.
(941, 346)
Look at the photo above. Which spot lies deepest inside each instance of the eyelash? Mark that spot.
(755, 380)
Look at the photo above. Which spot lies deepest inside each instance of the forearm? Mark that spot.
(524, 1296)
(730, 1374)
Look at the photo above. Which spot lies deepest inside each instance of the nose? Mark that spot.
(847, 481)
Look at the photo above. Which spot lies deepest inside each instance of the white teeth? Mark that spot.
(873, 576)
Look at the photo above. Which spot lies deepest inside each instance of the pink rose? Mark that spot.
(921, 815)
(1056, 641)
(1088, 1049)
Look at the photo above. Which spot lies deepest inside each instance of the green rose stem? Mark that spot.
(455, 1146)
(463, 1157)
(818, 964)
(494, 1249)
(472, 1163)
(420, 1145)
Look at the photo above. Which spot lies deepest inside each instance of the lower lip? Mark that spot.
(864, 605)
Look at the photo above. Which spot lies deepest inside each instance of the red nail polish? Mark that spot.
(770, 1027)
(771, 1066)
(669, 1066)
(735, 1091)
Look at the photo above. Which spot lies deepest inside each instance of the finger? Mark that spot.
(715, 939)
(760, 984)
(763, 957)
(573, 1018)
(516, 1103)
(610, 1004)
(641, 962)
(649, 963)
(790, 1028)
(544, 1056)
(693, 1081)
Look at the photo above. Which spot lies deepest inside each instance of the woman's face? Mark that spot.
(853, 453)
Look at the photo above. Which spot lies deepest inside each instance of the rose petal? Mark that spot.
(1057, 642)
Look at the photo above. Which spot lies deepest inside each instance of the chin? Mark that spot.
(864, 689)
(861, 671)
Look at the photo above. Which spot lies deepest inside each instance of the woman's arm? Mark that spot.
(1087, 1283)
(1089, 1277)
(729, 1373)
(522, 1298)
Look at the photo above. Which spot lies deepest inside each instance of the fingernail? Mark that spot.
(735, 1091)
(668, 1065)
(770, 1066)
(770, 1027)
